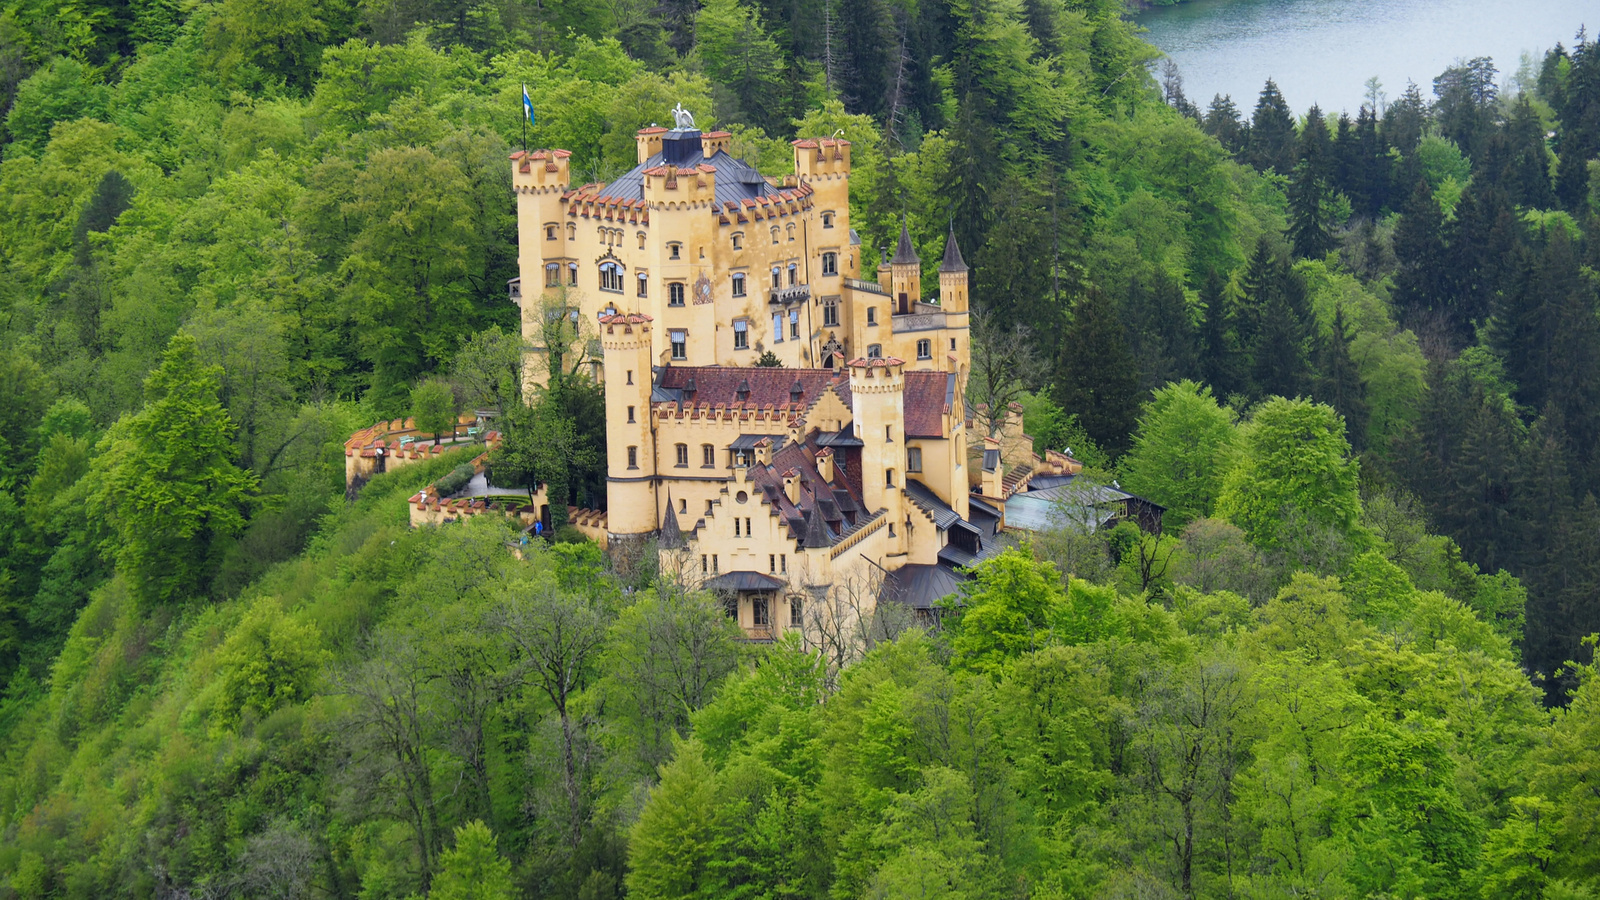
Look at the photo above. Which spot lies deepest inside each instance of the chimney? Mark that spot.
(825, 464)
(791, 486)
(764, 451)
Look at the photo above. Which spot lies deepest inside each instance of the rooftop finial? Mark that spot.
(683, 119)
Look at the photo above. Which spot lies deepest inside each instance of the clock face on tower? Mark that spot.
(702, 290)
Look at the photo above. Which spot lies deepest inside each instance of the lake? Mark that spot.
(1323, 51)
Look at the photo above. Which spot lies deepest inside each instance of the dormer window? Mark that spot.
(674, 250)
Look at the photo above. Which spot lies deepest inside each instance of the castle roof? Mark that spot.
(671, 533)
(736, 180)
(904, 253)
(952, 255)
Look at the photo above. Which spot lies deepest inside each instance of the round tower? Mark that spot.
(630, 448)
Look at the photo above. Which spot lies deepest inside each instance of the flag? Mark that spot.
(527, 104)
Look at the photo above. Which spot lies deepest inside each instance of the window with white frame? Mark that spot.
(552, 275)
(675, 293)
(738, 284)
(680, 344)
(741, 334)
(794, 324)
(914, 459)
(682, 456)
(611, 277)
(830, 263)
(830, 313)
(644, 285)
(777, 328)
(572, 274)
(924, 349)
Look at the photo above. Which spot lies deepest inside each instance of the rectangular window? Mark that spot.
(680, 345)
(572, 274)
(777, 328)
(952, 344)
(827, 220)
(914, 459)
(683, 456)
(633, 457)
(675, 294)
(674, 251)
(925, 349)
(630, 414)
(776, 277)
(795, 612)
(738, 284)
(772, 563)
(737, 526)
(644, 285)
(747, 531)
(741, 335)
(714, 563)
(704, 568)
(830, 263)
(552, 275)
(708, 456)
(872, 315)
(758, 609)
(783, 563)
(794, 324)
(792, 271)
(830, 314)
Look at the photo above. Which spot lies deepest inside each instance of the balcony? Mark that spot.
(800, 293)
(871, 287)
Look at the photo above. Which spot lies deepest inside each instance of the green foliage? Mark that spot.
(1181, 452)
(168, 483)
(433, 405)
(270, 660)
(473, 869)
(1292, 457)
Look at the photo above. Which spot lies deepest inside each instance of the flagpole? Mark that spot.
(524, 121)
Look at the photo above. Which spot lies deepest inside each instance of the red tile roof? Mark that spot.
(925, 402)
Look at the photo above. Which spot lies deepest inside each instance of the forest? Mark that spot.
(1356, 357)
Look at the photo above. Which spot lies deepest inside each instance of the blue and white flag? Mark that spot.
(527, 104)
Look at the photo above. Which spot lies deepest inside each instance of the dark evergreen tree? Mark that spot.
(1471, 274)
(1339, 383)
(1465, 110)
(1526, 176)
(1271, 143)
(1097, 377)
(1420, 284)
(1219, 352)
(1160, 330)
(1310, 194)
(1223, 123)
(1477, 505)
(1577, 104)
(1405, 120)
(1543, 512)
(1274, 325)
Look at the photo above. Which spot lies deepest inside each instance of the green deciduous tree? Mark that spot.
(1293, 457)
(473, 869)
(1180, 453)
(433, 407)
(168, 481)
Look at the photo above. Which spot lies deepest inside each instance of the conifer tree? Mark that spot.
(1339, 383)
(1310, 225)
(1419, 248)
(1098, 378)
(1278, 341)
(1219, 351)
(1223, 123)
(1405, 120)
(1271, 141)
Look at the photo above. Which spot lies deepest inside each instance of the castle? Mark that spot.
(847, 470)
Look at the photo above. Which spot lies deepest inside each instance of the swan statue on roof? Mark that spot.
(682, 117)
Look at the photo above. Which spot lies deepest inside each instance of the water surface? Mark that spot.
(1323, 51)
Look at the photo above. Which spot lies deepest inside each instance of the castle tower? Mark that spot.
(877, 397)
(825, 165)
(952, 277)
(630, 449)
(539, 177)
(905, 274)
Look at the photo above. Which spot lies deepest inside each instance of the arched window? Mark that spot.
(790, 228)
(572, 274)
(777, 277)
(738, 240)
(633, 457)
(572, 232)
(774, 234)
(644, 285)
(793, 271)
(552, 275)
(641, 240)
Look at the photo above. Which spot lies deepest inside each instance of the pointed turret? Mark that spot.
(904, 252)
(671, 534)
(905, 273)
(816, 535)
(952, 255)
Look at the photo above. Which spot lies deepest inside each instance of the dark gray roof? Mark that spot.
(1041, 482)
(923, 496)
(816, 533)
(952, 255)
(920, 586)
(984, 518)
(737, 180)
(749, 441)
(744, 581)
(844, 438)
(953, 555)
(904, 253)
(671, 534)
